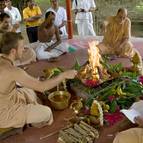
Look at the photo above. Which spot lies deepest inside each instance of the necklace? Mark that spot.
(7, 59)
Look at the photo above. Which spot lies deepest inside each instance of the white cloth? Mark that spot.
(57, 51)
(84, 20)
(85, 28)
(61, 16)
(15, 15)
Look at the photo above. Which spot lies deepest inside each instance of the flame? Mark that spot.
(94, 55)
(91, 70)
(94, 69)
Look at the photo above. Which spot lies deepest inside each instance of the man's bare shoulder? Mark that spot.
(41, 27)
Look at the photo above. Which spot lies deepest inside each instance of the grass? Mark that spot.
(45, 4)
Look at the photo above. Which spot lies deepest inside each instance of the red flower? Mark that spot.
(91, 83)
(113, 118)
(111, 98)
(86, 110)
(140, 79)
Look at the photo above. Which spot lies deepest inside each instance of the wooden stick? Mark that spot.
(49, 135)
(55, 132)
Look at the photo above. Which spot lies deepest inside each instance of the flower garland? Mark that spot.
(100, 111)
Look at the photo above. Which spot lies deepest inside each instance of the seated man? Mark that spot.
(6, 26)
(117, 31)
(60, 17)
(133, 135)
(19, 106)
(47, 47)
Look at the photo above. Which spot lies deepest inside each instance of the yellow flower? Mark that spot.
(94, 109)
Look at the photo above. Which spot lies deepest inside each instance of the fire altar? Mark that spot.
(93, 70)
(105, 95)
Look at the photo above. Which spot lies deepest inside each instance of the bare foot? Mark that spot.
(52, 59)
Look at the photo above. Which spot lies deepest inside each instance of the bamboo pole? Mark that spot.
(69, 19)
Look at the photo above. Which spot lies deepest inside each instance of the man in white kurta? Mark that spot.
(14, 14)
(83, 16)
(61, 17)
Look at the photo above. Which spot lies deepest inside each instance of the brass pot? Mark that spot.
(59, 99)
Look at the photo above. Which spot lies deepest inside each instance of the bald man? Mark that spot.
(117, 33)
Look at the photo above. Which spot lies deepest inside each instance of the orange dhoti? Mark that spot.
(134, 135)
(124, 50)
(20, 107)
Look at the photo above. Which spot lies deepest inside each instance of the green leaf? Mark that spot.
(113, 106)
(110, 67)
(89, 102)
(129, 74)
(77, 65)
(56, 71)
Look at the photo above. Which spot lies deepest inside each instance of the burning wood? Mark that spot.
(94, 69)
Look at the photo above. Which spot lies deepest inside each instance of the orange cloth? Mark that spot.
(116, 32)
(18, 106)
(134, 135)
(116, 40)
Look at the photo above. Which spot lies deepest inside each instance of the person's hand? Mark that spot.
(76, 11)
(82, 10)
(139, 120)
(70, 74)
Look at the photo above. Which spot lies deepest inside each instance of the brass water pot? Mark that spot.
(59, 99)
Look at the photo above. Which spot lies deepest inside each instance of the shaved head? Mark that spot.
(122, 11)
(121, 15)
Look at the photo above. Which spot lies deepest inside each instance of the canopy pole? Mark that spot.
(69, 19)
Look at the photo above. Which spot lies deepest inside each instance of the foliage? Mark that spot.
(49, 73)
(116, 68)
(77, 65)
(118, 92)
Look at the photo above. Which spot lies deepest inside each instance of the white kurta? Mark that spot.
(15, 16)
(84, 20)
(61, 16)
